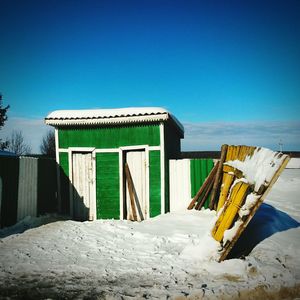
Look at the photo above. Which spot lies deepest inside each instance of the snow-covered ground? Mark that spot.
(170, 256)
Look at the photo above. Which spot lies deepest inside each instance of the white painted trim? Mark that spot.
(81, 149)
(135, 147)
(70, 182)
(154, 148)
(121, 184)
(56, 145)
(107, 150)
(115, 150)
(162, 168)
(147, 182)
(57, 170)
(94, 181)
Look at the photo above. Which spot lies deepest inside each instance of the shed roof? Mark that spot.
(110, 116)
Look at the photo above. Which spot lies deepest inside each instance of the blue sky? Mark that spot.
(228, 70)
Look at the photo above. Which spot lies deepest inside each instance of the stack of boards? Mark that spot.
(242, 179)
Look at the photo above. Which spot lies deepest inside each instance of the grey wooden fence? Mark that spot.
(28, 187)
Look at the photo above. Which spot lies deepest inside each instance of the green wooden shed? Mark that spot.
(93, 149)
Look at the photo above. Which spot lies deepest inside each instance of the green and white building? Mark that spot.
(92, 147)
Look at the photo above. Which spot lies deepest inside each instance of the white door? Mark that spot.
(84, 207)
(136, 161)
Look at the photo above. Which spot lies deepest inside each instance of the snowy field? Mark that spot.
(167, 257)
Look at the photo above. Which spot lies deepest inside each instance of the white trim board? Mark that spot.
(57, 170)
(162, 168)
(112, 150)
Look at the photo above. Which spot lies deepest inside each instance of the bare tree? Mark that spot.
(3, 118)
(48, 144)
(17, 145)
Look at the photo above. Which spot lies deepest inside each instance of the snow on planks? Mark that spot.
(241, 179)
(248, 175)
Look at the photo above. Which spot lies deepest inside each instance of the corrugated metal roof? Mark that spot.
(110, 116)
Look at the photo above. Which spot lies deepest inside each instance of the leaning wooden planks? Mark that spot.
(210, 186)
(244, 187)
(204, 191)
(229, 173)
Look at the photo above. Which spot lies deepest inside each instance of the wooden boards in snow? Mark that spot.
(248, 175)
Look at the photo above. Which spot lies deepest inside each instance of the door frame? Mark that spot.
(71, 150)
(122, 157)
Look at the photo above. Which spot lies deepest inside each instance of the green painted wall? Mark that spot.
(64, 162)
(64, 182)
(107, 164)
(155, 177)
(107, 186)
(200, 168)
(109, 137)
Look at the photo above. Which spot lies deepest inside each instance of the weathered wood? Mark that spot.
(237, 198)
(227, 248)
(205, 195)
(226, 184)
(204, 186)
(218, 177)
(243, 153)
(229, 153)
(130, 190)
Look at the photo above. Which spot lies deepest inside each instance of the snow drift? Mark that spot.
(170, 256)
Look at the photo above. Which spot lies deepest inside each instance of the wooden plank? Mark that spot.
(229, 209)
(229, 153)
(234, 153)
(205, 195)
(237, 198)
(204, 186)
(226, 184)
(218, 177)
(136, 162)
(242, 153)
(130, 189)
(227, 248)
(229, 156)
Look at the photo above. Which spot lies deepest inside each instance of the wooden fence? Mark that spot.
(186, 177)
(28, 187)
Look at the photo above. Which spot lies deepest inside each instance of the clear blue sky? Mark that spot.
(232, 64)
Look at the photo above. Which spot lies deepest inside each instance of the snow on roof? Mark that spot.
(110, 116)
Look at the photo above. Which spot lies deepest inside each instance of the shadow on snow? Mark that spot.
(267, 221)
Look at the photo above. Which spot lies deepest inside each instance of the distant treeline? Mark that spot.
(216, 154)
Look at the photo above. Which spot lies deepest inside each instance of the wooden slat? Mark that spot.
(234, 153)
(204, 186)
(242, 153)
(204, 196)
(227, 248)
(226, 208)
(130, 190)
(226, 184)
(237, 197)
(218, 177)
